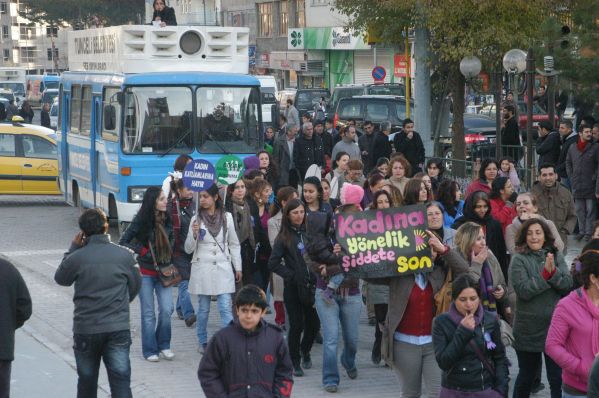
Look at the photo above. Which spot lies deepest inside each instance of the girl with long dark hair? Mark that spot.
(299, 303)
(259, 194)
(150, 235)
(449, 197)
(237, 204)
(486, 174)
(313, 196)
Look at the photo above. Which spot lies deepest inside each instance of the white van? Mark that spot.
(269, 91)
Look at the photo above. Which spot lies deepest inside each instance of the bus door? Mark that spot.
(94, 136)
(63, 160)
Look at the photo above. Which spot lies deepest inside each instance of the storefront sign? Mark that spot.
(400, 66)
(264, 60)
(330, 38)
(384, 243)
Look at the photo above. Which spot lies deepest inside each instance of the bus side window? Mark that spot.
(75, 108)
(110, 118)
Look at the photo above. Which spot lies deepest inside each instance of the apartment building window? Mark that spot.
(301, 13)
(284, 18)
(27, 54)
(265, 17)
(27, 32)
(52, 54)
(5, 31)
(51, 31)
(318, 3)
(6, 55)
(3, 7)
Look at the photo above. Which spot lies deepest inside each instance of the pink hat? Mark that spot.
(351, 194)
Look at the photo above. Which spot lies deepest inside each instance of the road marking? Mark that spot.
(21, 253)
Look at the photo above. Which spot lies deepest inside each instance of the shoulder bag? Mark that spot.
(443, 296)
(169, 275)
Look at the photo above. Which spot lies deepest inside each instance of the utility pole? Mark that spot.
(530, 81)
(422, 89)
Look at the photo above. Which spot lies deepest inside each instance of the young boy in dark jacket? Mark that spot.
(249, 357)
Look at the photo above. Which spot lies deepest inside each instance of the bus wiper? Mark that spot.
(176, 143)
(222, 148)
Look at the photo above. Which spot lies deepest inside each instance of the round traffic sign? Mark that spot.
(199, 175)
(379, 73)
(229, 169)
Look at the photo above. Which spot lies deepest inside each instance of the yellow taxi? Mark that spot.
(28, 159)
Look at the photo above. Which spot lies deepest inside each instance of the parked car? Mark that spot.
(376, 108)
(28, 160)
(480, 134)
(350, 90)
(307, 98)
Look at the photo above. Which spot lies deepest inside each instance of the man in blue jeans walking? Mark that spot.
(106, 279)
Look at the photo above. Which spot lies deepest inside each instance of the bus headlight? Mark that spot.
(136, 194)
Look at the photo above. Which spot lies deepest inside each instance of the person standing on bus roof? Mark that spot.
(163, 14)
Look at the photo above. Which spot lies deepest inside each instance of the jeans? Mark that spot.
(113, 348)
(302, 319)
(225, 308)
(184, 300)
(155, 336)
(345, 310)
(5, 367)
(335, 281)
(585, 211)
(529, 362)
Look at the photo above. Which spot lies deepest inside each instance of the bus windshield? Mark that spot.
(228, 119)
(158, 119)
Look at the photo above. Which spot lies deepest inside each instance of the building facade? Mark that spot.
(37, 47)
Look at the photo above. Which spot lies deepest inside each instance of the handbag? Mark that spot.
(443, 296)
(306, 289)
(168, 275)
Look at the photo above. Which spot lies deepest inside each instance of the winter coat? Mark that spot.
(365, 142)
(214, 261)
(560, 167)
(45, 119)
(274, 226)
(556, 204)
(477, 185)
(352, 149)
(462, 368)
(239, 363)
(294, 269)
(183, 260)
(536, 297)
(137, 240)
(399, 183)
(412, 149)
(548, 148)
(167, 15)
(502, 212)
(573, 338)
(381, 148)
(15, 302)
(307, 152)
(448, 219)
(327, 142)
(510, 134)
(292, 115)
(582, 170)
(512, 231)
(283, 159)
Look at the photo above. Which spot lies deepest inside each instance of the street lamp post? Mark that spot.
(530, 81)
(470, 67)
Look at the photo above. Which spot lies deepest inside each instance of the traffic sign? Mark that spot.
(378, 74)
(199, 175)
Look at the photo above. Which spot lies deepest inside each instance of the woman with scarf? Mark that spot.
(239, 208)
(284, 195)
(287, 260)
(540, 277)
(470, 243)
(150, 235)
(435, 169)
(468, 346)
(181, 209)
(477, 208)
(502, 209)
(260, 191)
(216, 260)
(573, 337)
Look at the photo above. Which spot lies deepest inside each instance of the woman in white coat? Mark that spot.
(216, 260)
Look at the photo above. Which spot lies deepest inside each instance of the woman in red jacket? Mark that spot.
(486, 174)
(501, 208)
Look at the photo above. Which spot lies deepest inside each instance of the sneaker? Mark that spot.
(167, 354)
(318, 338)
(331, 388)
(352, 373)
(306, 361)
(538, 388)
(190, 321)
(153, 358)
(579, 237)
(298, 371)
(327, 296)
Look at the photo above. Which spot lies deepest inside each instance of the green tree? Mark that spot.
(79, 13)
(458, 28)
